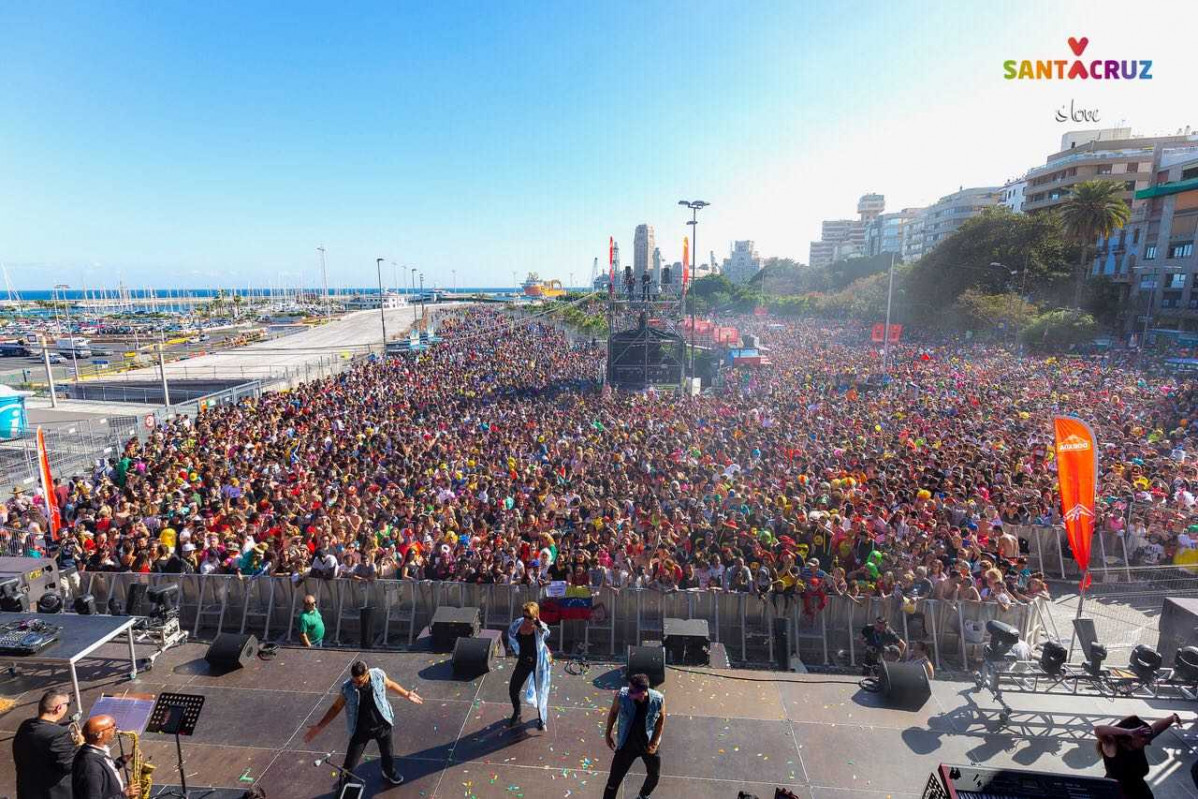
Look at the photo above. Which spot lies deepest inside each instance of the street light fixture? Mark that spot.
(378, 262)
(696, 206)
(1022, 293)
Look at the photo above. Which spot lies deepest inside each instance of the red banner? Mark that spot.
(878, 333)
(43, 469)
(1077, 473)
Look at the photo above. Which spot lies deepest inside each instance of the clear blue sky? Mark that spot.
(172, 144)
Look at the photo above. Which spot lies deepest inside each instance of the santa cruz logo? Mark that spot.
(1078, 69)
(1078, 512)
(1073, 444)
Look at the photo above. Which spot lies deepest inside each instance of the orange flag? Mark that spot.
(1077, 473)
(43, 468)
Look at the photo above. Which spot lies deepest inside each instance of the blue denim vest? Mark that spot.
(628, 713)
(378, 682)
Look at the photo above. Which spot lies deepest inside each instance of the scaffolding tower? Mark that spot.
(645, 342)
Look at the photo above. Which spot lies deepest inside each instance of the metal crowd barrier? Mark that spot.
(744, 623)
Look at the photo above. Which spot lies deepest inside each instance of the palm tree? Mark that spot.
(237, 301)
(1093, 208)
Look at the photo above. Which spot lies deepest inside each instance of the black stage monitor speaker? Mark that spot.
(231, 651)
(904, 685)
(366, 628)
(450, 624)
(687, 641)
(1178, 626)
(650, 660)
(782, 644)
(135, 599)
(472, 657)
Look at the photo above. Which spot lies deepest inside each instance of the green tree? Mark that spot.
(977, 311)
(989, 254)
(1092, 209)
(1059, 330)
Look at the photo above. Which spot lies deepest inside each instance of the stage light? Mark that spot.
(1002, 637)
(1095, 656)
(1145, 662)
(1185, 665)
(50, 602)
(85, 605)
(164, 598)
(1053, 657)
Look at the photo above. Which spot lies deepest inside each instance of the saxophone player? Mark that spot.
(44, 750)
(95, 774)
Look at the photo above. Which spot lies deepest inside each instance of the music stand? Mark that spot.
(176, 714)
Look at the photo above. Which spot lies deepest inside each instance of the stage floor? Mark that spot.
(726, 731)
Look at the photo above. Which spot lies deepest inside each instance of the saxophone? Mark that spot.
(141, 771)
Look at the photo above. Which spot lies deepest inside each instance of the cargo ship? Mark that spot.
(534, 287)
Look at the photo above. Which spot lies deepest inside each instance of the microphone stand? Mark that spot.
(327, 760)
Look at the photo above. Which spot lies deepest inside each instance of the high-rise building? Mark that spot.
(1126, 160)
(1163, 231)
(941, 219)
(743, 263)
(845, 238)
(656, 263)
(642, 253)
(870, 206)
(1013, 194)
(887, 233)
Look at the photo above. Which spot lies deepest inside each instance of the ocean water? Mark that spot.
(141, 294)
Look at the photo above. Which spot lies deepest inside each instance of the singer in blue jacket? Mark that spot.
(526, 640)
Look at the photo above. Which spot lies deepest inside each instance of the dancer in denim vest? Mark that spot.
(526, 640)
(641, 714)
(368, 716)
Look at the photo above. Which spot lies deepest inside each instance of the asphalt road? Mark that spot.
(303, 352)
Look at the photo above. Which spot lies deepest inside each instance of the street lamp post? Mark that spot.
(886, 332)
(696, 206)
(1022, 294)
(324, 283)
(61, 288)
(378, 262)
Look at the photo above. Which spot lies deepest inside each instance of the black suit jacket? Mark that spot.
(43, 753)
(92, 778)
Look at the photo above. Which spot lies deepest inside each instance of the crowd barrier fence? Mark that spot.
(268, 607)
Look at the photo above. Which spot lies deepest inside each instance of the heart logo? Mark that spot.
(1078, 46)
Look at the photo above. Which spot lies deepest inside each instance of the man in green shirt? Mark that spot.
(311, 626)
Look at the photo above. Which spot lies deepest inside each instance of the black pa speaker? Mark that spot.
(648, 660)
(231, 651)
(782, 644)
(450, 624)
(904, 685)
(687, 641)
(472, 657)
(135, 599)
(366, 628)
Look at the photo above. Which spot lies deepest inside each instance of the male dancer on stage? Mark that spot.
(368, 716)
(641, 714)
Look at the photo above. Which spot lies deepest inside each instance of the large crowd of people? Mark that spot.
(497, 457)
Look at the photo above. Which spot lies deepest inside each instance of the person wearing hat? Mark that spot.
(639, 717)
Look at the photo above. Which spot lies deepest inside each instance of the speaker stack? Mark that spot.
(231, 651)
(450, 624)
(648, 660)
(687, 641)
(473, 657)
